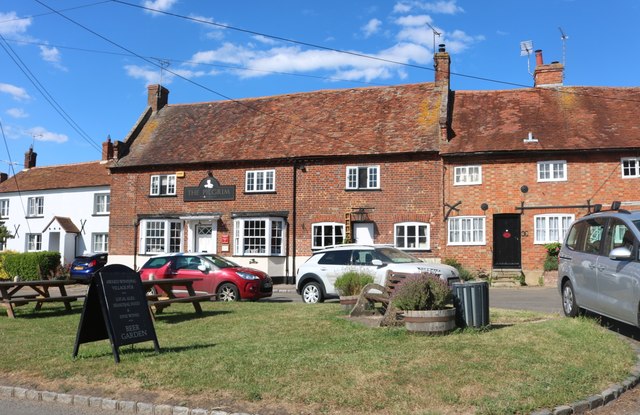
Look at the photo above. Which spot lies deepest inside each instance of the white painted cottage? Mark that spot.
(62, 208)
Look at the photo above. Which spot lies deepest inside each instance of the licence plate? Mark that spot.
(78, 268)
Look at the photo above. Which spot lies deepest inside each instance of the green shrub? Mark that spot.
(352, 282)
(551, 263)
(553, 248)
(422, 292)
(31, 266)
(465, 274)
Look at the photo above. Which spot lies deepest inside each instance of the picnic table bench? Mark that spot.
(375, 299)
(158, 302)
(12, 294)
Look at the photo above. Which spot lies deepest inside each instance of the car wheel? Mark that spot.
(569, 305)
(228, 292)
(312, 293)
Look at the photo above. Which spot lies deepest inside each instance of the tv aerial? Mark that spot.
(435, 33)
(564, 49)
(526, 47)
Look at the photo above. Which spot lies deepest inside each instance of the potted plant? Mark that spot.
(426, 301)
(349, 285)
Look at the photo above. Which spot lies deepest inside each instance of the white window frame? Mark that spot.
(352, 180)
(321, 226)
(272, 243)
(632, 171)
(465, 176)
(100, 242)
(158, 236)
(466, 230)
(156, 186)
(405, 226)
(552, 165)
(34, 242)
(35, 206)
(4, 208)
(542, 227)
(257, 181)
(101, 203)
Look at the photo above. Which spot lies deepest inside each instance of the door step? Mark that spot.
(506, 277)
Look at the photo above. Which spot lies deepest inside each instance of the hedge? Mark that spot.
(30, 266)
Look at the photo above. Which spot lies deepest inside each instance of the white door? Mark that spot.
(363, 233)
(204, 239)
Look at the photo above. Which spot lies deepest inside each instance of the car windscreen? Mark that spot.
(220, 262)
(395, 256)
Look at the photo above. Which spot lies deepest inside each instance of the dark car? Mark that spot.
(84, 266)
(217, 275)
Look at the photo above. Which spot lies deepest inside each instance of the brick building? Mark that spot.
(486, 177)
(265, 181)
(520, 165)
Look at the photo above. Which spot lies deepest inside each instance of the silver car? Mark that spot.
(598, 267)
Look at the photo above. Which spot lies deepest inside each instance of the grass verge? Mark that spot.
(296, 358)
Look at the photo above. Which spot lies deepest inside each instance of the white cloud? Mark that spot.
(458, 41)
(412, 20)
(52, 55)
(41, 134)
(372, 27)
(17, 113)
(16, 92)
(12, 25)
(161, 5)
(440, 7)
(152, 75)
(215, 32)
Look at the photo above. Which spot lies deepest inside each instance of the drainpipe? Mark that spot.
(135, 244)
(294, 234)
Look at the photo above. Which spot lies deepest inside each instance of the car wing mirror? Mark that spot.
(377, 263)
(621, 253)
(203, 268)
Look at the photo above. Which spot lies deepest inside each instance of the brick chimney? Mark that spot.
(30, 158)
(3, 177)
(547, 75)
(442, 65)
(107, 149)
(158, 97)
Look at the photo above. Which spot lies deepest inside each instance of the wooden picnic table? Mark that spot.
(17, 293)
(158, 302)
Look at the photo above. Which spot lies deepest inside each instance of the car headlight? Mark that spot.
(247, 276)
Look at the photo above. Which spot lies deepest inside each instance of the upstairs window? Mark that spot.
(467, 175)
(630, 167)
(363, 177)
(327, 234)
(35, 206)
(163, 185)
(260, 181)
(4, 208)
(412, 235)
(552, 171)
(551, 227)
(101, 203)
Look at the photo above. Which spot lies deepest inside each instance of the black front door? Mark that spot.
(506, 241)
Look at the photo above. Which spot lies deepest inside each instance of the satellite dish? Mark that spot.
(526, 47)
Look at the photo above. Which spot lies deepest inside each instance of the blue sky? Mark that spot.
(68, 80)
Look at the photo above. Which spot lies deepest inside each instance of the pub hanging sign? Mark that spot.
(209, 189)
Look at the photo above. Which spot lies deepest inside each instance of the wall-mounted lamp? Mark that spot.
(484, 207)
(253, 261)
(302, 168)
(524, 188)
(209, 173)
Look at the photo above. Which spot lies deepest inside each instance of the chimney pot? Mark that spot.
(539, 60)
(30, 158)
(441, 48)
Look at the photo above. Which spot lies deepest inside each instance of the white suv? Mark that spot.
(315, 278)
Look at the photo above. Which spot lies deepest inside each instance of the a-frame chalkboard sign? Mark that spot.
(116, 309)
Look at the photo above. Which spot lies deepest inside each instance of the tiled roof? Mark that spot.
(65, 223)
(566, 118)
(380, 120)
(64, 176)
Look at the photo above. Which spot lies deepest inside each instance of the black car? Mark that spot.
(84, 266)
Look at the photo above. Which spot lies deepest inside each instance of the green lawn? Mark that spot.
(303, 359)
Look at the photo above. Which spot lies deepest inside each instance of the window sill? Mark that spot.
(266, 192)
(363, 190)
(34, 217)
(101, 214)
(154, 196)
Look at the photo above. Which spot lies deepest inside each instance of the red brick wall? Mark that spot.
(594, 177)
(410, 191)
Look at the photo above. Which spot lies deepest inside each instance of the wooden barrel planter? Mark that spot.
(348, 302)
(430, 321)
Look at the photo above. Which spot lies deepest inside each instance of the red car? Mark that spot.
(228, 280)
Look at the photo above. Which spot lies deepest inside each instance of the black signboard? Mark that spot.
(209, 189)
(116, 309)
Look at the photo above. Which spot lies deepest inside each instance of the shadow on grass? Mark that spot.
(180, 316)
(623, 329)
(45, 312)
(141, 351)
